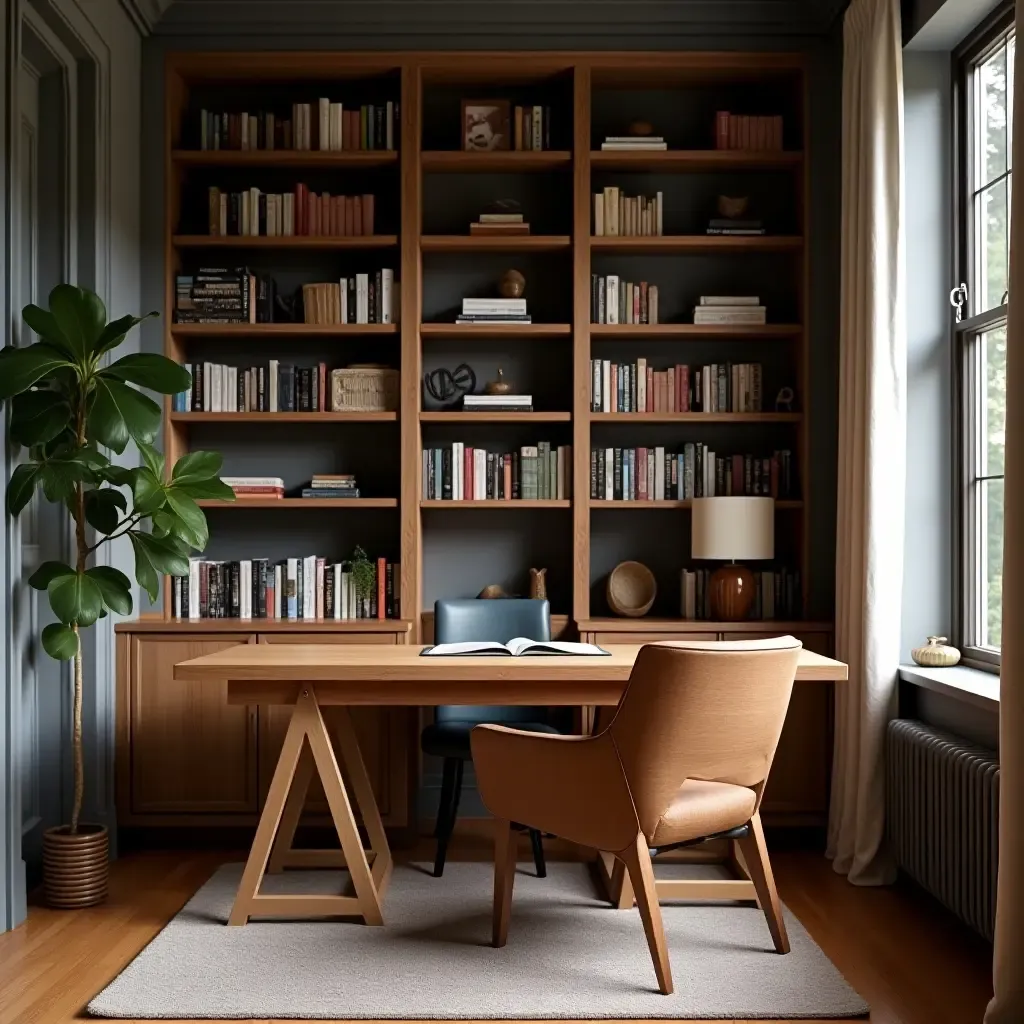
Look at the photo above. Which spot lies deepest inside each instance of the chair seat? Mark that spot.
(701, 809)
(451, 738)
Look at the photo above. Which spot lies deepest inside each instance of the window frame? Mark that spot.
(967, 368)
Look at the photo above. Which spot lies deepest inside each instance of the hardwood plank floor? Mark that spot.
(910, 960)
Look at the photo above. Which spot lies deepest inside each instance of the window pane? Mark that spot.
(991, 114)
(990, 592)
(993, 400)
(990, 248)
(1011, 47)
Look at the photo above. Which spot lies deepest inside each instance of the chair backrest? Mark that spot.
(710, 711)
(500, 619)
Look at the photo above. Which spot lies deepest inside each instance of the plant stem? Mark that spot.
(133, 520)
(83, 554)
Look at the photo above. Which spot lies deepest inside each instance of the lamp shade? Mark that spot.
(733, 528)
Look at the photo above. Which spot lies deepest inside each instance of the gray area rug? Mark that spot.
(569, 955)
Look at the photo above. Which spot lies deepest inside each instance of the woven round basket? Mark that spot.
(631, 589)
(76, 867)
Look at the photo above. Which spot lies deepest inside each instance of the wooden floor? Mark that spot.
(909, 960)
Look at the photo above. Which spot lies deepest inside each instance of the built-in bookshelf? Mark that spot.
(426, 190)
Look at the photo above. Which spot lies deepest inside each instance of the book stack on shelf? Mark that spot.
(499, 225)
(223, 295)
(776, 594)
(274, 387)
(251, 212)
(533, 472)
(636, 143)
(497, 403)
(637, 387)
(332, 485)
(493, 311)
(744, 131)
(255, 487)
(306, 588)
(657, 474)
(736, 227)
(531, 128)
(616, 214)
(324, 126)
(359, 299)
(614, 301)
(730, 309)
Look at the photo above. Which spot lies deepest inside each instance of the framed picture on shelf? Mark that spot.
(485, 125)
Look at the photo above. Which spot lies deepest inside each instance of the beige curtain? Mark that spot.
(872, 410)
(1007, 1006)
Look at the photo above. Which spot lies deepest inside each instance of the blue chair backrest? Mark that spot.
(501, 619)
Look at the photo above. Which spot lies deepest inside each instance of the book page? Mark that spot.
(467, 647)
(522, 646)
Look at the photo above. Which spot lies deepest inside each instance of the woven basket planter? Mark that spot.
(76, 868)
(364, 389)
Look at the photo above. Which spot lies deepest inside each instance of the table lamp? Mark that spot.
(731, 529)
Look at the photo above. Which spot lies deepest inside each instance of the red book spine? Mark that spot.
(672, 406)
(649, 396)
(382, 572)
(301, 210)
(641, 475)
(615, 387)
(271, 600)
(722, 129)
(467, 474)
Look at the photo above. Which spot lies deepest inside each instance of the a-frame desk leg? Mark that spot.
(281, 814)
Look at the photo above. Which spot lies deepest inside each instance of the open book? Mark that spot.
(517, 648)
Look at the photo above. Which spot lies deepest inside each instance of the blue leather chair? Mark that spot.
(457, 621)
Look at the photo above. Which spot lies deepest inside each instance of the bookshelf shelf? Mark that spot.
(695, 160)
(493, 243)
(709, 244)
(526, 331)
(501, 161)
(695, 417)
(285, 241)
(515, 503)
(296, 158)
(663, 625)
(293, 503)
(269, 332)
(160, 625)
(495, 417)
(784, 505)
(283, 417)
(721, 332)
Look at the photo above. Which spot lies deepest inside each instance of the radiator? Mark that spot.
(942, 813)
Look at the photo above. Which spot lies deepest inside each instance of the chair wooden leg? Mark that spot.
(538, 853)
(637, 859)
(755, 857)
(505, 843)
(621, 889)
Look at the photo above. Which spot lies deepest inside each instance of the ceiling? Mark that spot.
(556, 20)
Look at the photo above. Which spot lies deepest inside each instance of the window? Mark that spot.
(984, 142)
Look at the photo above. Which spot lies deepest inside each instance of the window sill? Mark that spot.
(971, 685)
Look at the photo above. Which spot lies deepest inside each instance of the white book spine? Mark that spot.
(325, 123)
(606, 385)
(641, 385)
(612, 300)
(362, 297)
(343, 289)
(599, 214)
(193, 588)
(272, 375)
(609, 474)
(659, 474)
(336, 604)
(387, 281)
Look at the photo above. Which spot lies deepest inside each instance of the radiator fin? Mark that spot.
(942, 815)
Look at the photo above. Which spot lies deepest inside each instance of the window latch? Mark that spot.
(958, 299)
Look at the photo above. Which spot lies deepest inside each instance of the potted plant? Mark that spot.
(69, 405)
(364, 574)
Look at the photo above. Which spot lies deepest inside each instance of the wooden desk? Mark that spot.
(315, 676)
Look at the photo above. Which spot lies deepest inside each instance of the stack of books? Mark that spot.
(223, 295)
(497, 403)
(729, 309)
(736, 227)
(332, 485)
(493, 311)
(614, 301)
(534, 472)
(499, 225)
(743, 131)
(618, 214)
(639, 143)
(255, 486)
(360, 299)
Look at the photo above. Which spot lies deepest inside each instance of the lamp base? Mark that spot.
(732, 593)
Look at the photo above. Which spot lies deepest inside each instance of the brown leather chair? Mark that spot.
(683, 758)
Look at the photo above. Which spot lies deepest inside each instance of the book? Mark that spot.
(729, 315)
(518, 647)
(730, 300)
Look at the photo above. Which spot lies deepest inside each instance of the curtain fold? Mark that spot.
(872, 435)
(1007, 1006)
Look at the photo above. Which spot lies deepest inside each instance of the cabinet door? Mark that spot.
(798, 786)
(383, 735)
(191, 752)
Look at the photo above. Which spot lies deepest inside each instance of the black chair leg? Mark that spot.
(447, 787)
(538, 853)
(447, 824)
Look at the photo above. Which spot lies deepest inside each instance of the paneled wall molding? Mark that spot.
(145, 13)
(586, 21)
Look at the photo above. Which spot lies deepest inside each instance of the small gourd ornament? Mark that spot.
(936, 653)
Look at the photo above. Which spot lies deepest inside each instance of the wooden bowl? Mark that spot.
(631, 589)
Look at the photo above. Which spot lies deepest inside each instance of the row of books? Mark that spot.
(656, 474)
(747, 131)
(274, 387)
(615, 213)
(730, 309)
(460, 473)
(322, 485)
(295, 589)
(614, 301)
(224, 295)
(299, 212)
(531, 127)
(493, 311)
(323, 125)
(637, 387)
(359, 299)
(776, 594)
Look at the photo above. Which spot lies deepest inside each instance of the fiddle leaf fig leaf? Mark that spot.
(75, 599)
(115, 588)
(59, 641)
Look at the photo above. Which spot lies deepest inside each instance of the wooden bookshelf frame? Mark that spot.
(417, 73)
